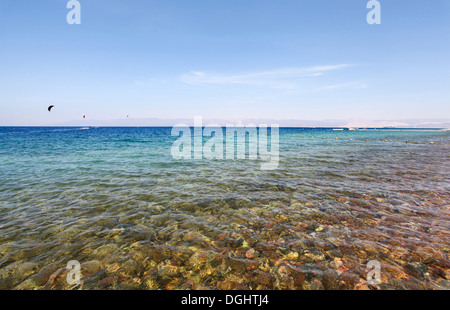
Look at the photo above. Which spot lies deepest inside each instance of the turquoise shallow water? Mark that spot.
(116, 201)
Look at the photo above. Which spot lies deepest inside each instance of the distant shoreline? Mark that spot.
(281, 127)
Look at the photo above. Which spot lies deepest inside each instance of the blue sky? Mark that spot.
(231, 59)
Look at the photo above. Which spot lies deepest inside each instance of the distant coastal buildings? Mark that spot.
(335, 123)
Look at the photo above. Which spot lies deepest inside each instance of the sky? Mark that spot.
(234, 59)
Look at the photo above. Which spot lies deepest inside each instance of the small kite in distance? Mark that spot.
(50, 108)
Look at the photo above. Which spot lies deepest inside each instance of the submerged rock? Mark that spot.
(57, 280)
(90, 267)
(330, 280)
(105, 250)
(314, 284)
(291, 256)
(130, 268)
(251, 253)
(43, 276)
(241, 265)
(264, 278)
(16, 273)
(416, 270)
(106, 283)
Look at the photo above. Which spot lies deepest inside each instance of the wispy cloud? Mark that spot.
(286, 78)
(353, 85)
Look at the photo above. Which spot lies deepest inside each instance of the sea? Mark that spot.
(111, 208)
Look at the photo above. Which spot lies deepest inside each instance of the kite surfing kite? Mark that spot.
(50, 108)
